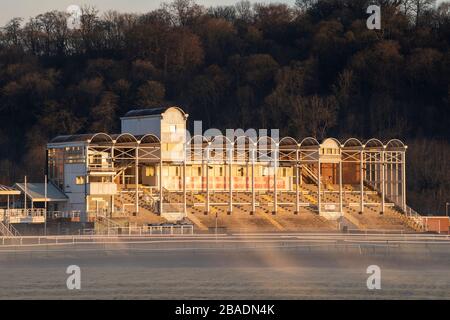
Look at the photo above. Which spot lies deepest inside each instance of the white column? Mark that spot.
(383, 185)
(45, 204)
(297, 191)
(184, 186)
(340, 187)
(253, 181)
(137, 180)
(112, 197)
(318, 185)
(275, 197)
(404, 180)
(361, 178)
(230, 178)
(25, 194)
(160, 186)
(207, 180)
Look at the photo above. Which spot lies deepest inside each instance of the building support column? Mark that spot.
(207, 181)
(184, 187)
(361, 178)
(340, 188)
(112, 196)
(404, 181)
(25, 194)
(253, 183)
(301, 174)
(137, 180)
(297, 187)
(383, 184)
(319, 173)
(275, 189)
(45, 204)
(7, 211)
(230, 179)
(161, 198)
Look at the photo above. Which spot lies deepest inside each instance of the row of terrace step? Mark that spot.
(146, 214)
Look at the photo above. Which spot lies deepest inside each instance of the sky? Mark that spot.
(30, 8)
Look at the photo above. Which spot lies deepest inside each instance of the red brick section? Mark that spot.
(437, 224)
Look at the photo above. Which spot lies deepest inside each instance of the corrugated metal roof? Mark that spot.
(36, 191)
(146, 112)
(5, 190)
(73, 138)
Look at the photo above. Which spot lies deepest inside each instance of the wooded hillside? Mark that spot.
(313, 69)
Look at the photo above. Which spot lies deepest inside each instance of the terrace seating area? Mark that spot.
(125, 209)
(307, 219)
(287, 219)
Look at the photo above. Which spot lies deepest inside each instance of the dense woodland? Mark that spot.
(313, 69)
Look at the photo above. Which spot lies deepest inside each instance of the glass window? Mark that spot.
(149, 171)
(79, 180)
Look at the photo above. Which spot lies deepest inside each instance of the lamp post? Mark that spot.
(447, 204)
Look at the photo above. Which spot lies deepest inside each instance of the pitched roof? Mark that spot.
(73, 138)
(146, 112)
(5, 190)
(36, 191)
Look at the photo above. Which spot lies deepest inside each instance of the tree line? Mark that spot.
(313, 69)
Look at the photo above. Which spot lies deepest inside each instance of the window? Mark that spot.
(173, 128)
(149, 171)
(79, 180)
(268, 171)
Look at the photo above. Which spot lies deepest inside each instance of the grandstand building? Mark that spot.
(155, 168)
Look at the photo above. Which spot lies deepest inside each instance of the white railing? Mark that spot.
(415, 216)
(142, 231)
(102, 218)
(64, 214)
(22, 213)
(8, 230)
(102, 188)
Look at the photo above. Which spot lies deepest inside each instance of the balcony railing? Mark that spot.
(102, 188)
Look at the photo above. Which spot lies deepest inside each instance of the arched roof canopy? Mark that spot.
(396, 145)
(246, 141)
(101, 138)
(266, 143)
(288, 143)
(309, 143)
(374, 144)
(126, 138)
(221, 141)
(352, 144)
(149, 139)
(198, 139)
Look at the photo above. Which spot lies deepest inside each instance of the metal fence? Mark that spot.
(142, 231)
